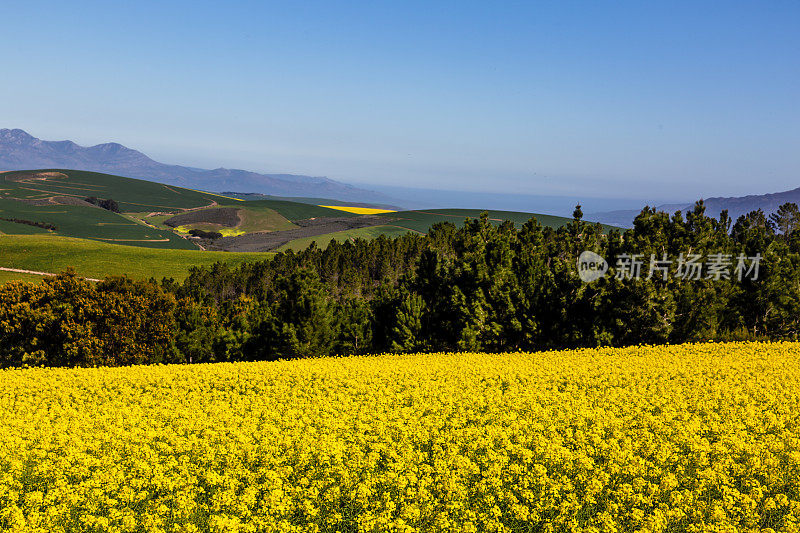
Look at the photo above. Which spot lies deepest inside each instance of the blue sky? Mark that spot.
(668, 101)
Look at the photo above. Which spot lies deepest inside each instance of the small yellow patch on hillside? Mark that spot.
(358, 210)
(226, 232)
(231, 232)
(215, 194)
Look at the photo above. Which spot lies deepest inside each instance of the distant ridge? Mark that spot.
(736, 206)
(22, 151)
(307, 200)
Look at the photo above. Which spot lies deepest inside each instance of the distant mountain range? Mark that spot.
(21, 151)
(736, 206)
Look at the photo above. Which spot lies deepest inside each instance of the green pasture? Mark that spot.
(422, 220)
(88, 223)
(361, 233)
(131, 194)
(92, 259)
(297, 211)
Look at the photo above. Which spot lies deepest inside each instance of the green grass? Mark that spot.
(422, 220)
(131, 194)
(253, 219)
(341, 236)
(92, 259)
(89, 223)
(295, 210)
(15, 228)
(262, 219)
(136, 198)
(156, 220)
(140, 197)
(5, 277)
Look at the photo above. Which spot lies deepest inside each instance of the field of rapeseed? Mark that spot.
(687, 438)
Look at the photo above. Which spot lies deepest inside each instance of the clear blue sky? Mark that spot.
(667, 100)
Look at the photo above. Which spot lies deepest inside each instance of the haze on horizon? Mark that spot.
(613, 99)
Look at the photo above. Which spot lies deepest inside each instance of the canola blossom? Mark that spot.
(702, 437)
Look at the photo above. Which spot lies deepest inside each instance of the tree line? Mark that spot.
(481, 286)
(43, 225)
(108, 204)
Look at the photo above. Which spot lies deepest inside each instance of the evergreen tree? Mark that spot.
(301, 321)
(787, 219)
(353, 327)
(406, 334)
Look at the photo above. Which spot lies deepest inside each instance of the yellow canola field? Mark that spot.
(358, 210)
(688, 438)
(226, 232)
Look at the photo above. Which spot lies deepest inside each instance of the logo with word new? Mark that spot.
(591, 266)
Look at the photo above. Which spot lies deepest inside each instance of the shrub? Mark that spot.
(108, 204)
(205, 234)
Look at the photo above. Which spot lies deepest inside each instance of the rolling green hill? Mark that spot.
(13, 228)
(88, 223)
(422, 220)
(322, 241)
(92, 259)
(297, 210)
(138, 241)
(55, 196)
(233, 220)
(131, 194)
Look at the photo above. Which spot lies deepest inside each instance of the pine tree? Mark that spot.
(353, 327)
(786, 219)
(407, 331)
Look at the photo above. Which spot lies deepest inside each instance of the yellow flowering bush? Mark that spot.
(702, 437)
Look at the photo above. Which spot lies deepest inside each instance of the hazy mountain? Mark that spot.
(21, 151)
(736, 206)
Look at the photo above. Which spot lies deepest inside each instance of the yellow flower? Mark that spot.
(682, 438)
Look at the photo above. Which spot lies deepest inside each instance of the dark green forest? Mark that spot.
(474, 287)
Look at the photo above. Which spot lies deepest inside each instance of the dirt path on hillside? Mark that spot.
(212, 204)
(37, 273)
